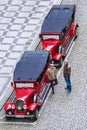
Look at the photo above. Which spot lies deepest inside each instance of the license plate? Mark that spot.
(19, 116)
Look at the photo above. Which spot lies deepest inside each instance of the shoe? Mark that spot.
(52, 92)
(69, 91)
(66, 88)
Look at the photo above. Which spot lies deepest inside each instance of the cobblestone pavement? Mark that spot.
(20, 22)
(64, 111)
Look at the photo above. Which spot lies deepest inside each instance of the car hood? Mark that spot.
(49, 44)
(24, 93)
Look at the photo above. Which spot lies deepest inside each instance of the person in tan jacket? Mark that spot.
(52, 75)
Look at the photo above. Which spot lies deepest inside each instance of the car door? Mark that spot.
(65, 38)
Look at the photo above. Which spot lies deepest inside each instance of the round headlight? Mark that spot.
(25, 107)
(13, 106)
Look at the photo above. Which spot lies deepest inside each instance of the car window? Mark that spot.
(62, 35)
(46, 37)
(24, 85)
(64, 32)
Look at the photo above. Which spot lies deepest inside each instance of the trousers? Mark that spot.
(53, 82)
(68, 82)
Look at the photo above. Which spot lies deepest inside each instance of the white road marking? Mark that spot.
(2, 117)
(18, 123)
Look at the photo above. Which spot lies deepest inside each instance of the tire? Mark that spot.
(8, 118)
(36, 112)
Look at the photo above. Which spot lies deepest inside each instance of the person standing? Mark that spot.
(52, 75)
(66, 74)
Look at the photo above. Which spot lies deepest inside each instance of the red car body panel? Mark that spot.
(24, 93)
(33, 106)
(8, 105)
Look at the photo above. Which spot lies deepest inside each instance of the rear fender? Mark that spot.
(73, 29)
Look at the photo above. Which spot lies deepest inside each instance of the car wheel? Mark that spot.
(36, 112)
(8, 118)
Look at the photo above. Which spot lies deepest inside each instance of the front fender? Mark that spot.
(57, 57)
(73, 28)
(8, 106)
(32, 106)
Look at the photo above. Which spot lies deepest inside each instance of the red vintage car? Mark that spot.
(31, 85)
(58, 32)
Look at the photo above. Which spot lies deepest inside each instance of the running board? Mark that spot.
(69, 44)
(44, 94)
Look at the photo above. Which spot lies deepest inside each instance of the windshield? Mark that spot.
(46, 37)
(24, 85)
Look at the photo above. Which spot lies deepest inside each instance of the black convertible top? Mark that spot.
(58, 18)
(31, 66)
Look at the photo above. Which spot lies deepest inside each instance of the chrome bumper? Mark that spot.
(19, 116)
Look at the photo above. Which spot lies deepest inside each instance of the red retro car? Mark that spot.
(31, 85)
(58, 32)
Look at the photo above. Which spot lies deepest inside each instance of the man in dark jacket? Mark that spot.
(66, 74)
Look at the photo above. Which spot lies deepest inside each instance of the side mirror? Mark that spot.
(40, 36)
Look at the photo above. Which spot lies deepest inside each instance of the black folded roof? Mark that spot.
(58, 18)
(31, 66)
